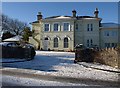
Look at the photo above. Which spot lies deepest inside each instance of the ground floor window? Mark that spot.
(66, 43)
(89, 43)
(55, 42)
(114, 45)
(108, 45)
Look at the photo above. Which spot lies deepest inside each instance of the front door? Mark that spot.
(46, 43)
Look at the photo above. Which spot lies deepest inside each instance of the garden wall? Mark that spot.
(108, 56)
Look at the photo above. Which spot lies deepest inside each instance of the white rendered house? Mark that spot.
(65, 32)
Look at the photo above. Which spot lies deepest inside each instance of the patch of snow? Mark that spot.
(100, 66)
(62, 64)
(15, 38)
(62, 17)
(10, 59)
(34, 82)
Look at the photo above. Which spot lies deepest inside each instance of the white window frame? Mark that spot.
(68, 26)
(44, 27)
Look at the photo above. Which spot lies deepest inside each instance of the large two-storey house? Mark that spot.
(65, 32)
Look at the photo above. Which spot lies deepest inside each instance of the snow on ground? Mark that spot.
(15, 81)
(11, 60)
(61, 64)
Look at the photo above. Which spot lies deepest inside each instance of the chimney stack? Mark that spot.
(74, 13)
(39, 16)
(96, 12)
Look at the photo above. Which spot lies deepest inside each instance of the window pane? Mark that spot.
(113, 44)
(106, 33)
(91, 27)
(65, 42)
(87, 27)
(66, 26)
(91, 42)
(55, 42)
(56, 27)
(114, 33)
(87, 43)
(46, 27)
(76, 26)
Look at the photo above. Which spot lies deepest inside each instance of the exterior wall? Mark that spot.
(108, 39)
(37, 27)
(118, 36)
(75, 36)
(88, 35)
(79, 36)
(59, 34)
(32, 41)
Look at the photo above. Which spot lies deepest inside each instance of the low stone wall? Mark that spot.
(108, 56)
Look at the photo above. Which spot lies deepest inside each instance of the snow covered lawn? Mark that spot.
(61, 64)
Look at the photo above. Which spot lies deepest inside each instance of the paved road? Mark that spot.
(65, 80)
(13, 81)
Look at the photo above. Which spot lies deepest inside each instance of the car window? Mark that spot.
(12, 45)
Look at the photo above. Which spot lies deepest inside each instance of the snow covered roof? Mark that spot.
(59, 17)
(109, 25)
(15, 38)
(69, 17)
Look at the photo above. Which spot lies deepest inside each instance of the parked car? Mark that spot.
(17, 50)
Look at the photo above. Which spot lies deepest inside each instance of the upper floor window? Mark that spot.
(56, 27)
(47, 27)
(66, 26)
(106, 33)
(76, 27)
(89, 27)
(114, 33)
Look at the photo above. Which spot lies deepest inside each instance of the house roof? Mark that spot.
(59, 17)
(13, 39)
(84, 17)
(35, 22)
(109, 25)
(65, 17)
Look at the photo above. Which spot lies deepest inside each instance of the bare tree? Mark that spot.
(12, 25)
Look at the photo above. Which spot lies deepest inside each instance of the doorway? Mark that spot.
(46, 44)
